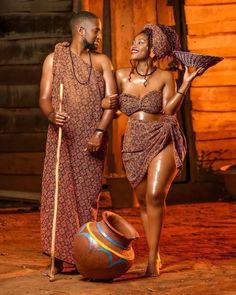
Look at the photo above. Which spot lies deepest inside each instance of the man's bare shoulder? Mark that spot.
(101, 58)
(49, 59)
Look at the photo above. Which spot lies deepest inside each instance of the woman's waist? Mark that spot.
(143, 116)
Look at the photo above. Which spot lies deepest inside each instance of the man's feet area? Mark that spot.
(60, 267)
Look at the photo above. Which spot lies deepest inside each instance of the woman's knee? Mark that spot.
(156, 198)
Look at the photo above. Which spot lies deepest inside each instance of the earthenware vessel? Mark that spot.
(103, 250)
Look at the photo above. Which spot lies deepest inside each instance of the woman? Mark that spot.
(154, 146)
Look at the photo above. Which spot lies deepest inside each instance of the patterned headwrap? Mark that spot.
(163, 39)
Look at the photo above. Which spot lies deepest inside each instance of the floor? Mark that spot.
(198, 250)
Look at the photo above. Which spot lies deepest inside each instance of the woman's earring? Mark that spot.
(152, 54)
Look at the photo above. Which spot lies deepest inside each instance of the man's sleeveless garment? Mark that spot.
(80, 172)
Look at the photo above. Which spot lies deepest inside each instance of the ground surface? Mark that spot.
(198, 251)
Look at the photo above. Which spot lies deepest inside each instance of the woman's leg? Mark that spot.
(161, 173)
(140, 192)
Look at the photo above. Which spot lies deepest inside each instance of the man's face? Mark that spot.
(92, 34)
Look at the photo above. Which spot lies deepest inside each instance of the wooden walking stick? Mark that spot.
(51, 275)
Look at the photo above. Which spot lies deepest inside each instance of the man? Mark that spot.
(87, 78)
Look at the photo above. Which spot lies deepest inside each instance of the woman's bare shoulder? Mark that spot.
(122, 73)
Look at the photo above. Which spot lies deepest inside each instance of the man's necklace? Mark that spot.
(73, 68)
(145, 75)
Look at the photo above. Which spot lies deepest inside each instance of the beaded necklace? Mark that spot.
(73, 68)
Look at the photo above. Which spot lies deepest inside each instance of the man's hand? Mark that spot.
(58, 118)
(110, 102)
(95, 142)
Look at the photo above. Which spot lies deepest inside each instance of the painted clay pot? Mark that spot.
(103, 250)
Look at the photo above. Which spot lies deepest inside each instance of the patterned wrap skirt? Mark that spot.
(144, 140)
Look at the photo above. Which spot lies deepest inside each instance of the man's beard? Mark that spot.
(90, 46)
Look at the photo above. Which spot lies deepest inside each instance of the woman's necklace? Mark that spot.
(73, 68)
(145, 75)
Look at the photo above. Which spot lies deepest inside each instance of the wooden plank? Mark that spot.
(51, 5)
(215, 165)
(32, 197)
(207, 28)
(34, 25)
(35, 5)
(208, 2)
(213, 98)
(22, 142)
(217, 149)
(122, 24)
(143, 12)
(226, 78)
(21, 163)
(28, 183)
(15, 6)
(213, 135)
(34, 51)
(19, 96)
(213, 121)
(196, 14)
(165, 13)
(20, 75)
(22, 120)
(211, 42)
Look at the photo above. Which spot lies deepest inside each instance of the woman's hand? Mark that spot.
(188, 77)
(110, 102)
(58, 118)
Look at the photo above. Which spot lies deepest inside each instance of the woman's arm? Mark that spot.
(172, 98)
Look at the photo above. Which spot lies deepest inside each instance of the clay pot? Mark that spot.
(102, 250)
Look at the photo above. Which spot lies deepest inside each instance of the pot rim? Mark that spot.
(105, 214)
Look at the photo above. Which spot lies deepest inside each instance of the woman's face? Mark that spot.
(140, 47)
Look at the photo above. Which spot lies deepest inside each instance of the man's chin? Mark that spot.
(93, 46)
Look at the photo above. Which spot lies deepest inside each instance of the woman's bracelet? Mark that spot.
(49, 114)
(182, 93)
(100, 129)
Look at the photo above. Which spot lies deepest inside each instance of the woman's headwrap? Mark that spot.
(164, 40)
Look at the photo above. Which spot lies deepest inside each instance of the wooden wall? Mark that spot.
(211, 28)
(29, 30)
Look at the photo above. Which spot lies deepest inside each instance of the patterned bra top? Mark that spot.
(149, 103)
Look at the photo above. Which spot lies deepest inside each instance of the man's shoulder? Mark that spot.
(100, 56)
(49, 58)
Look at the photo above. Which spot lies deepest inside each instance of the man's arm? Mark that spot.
(110, 89)
(45, 96)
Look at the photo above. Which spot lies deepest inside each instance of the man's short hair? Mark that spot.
(80, 17)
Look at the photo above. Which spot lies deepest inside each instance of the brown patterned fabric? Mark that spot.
(164, 39)
(149, 103)
(80, 172)
(144, 140)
